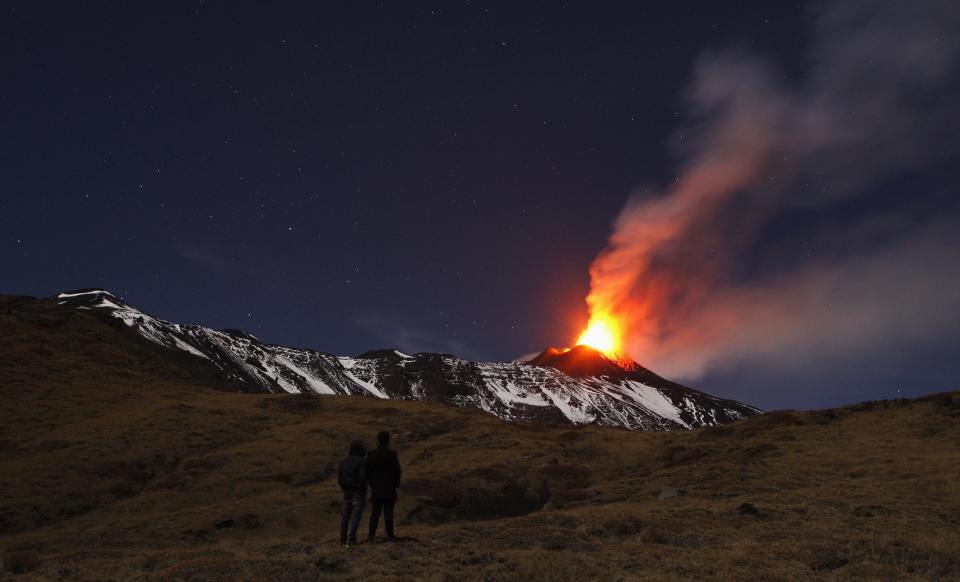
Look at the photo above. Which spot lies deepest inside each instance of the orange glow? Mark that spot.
(602, 334)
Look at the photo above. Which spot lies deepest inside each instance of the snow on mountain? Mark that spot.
(579, 387)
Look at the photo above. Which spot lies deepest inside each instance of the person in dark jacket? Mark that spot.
(352, 478)
(383, 474)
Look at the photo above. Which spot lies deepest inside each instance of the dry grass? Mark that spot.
(114, 465)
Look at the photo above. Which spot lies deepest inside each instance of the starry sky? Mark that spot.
(435, 176)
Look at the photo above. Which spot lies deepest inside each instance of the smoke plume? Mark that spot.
(707, 273)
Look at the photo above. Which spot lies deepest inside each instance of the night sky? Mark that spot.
(440, 176)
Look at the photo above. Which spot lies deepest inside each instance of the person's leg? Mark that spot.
(375, 506)
(345, 513)
(355, 517)
(388, 516)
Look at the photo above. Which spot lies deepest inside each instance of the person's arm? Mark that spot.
(396, 467)
(362, 472)
(369, 473)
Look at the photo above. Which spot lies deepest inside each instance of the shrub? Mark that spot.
(568, 476)
(20, 561)
(619, 528)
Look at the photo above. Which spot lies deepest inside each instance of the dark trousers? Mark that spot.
(386, 504)
(352, 510)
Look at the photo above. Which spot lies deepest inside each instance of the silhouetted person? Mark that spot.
(383, 474)
(352, 478)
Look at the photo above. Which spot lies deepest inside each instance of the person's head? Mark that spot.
(383, 438)
(357, 449)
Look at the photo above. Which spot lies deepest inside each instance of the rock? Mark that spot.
(871, 511)
(668, 493)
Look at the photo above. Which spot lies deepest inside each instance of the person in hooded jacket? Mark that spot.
(352, 477)
(383, 474)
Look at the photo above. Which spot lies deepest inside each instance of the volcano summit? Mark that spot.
(577, 386)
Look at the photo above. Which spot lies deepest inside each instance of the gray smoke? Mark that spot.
(698, 272)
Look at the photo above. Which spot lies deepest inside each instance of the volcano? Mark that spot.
(576, 386)
(584, 361)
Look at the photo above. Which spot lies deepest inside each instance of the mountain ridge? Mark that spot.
(579, 386)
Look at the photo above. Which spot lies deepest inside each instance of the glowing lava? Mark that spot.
(603, 335)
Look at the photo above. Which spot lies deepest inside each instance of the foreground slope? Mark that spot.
(548, 391)
(115, 465)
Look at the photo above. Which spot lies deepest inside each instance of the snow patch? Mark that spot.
(82, 293)
(654, 401)
(368, 386)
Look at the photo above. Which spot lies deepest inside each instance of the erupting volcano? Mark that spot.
(596, 352)
(579, 385)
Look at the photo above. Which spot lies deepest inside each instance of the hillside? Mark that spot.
(116, 464)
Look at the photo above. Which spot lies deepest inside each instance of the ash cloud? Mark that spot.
(701, 272)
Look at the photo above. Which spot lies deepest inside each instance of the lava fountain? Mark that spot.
(602, 334)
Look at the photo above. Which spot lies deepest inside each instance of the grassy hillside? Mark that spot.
(116, 465)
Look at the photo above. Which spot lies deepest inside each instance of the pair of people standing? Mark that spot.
(381, 471)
